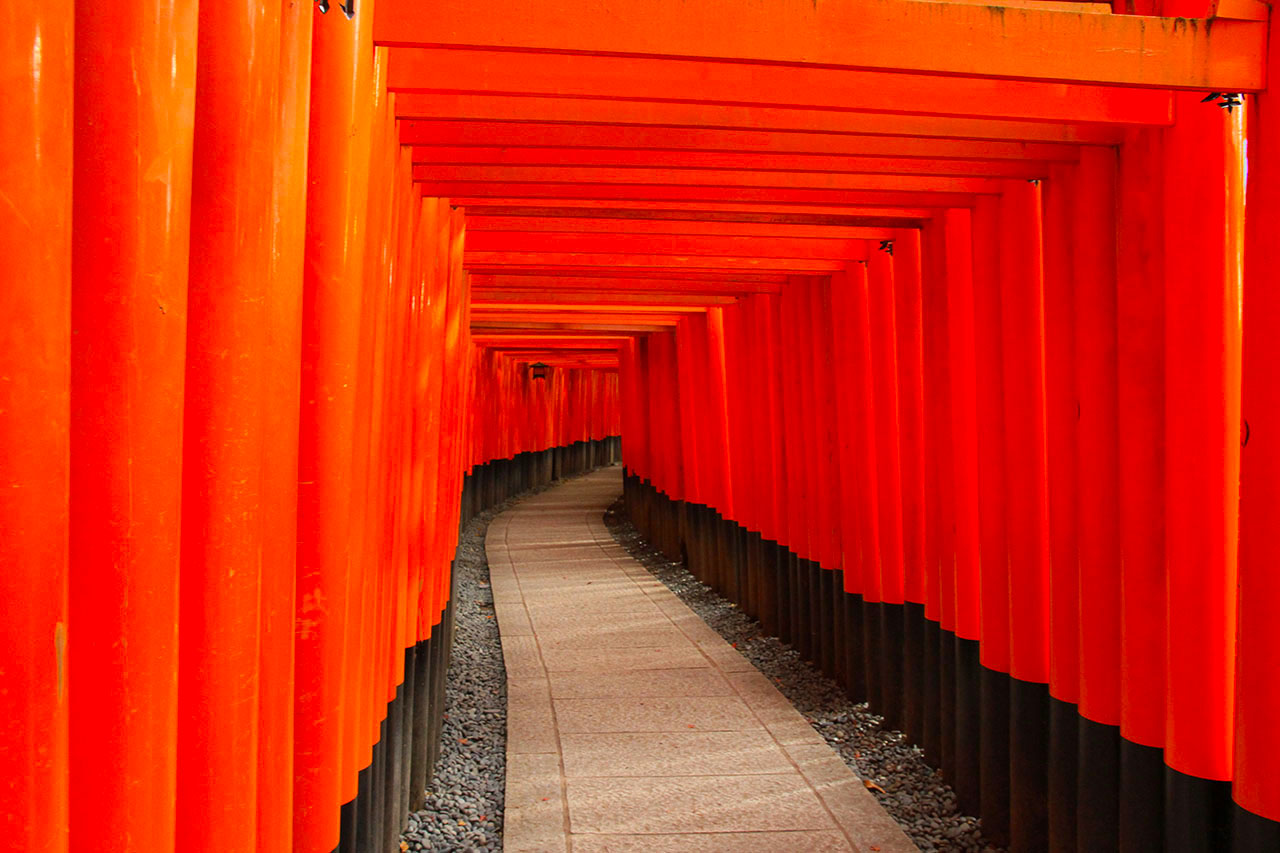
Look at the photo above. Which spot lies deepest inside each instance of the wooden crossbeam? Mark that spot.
(689, 281)
(641, 113)
(773, 196)
(518, 134)
(605, 175)
(436, 71)
(677, 210)
(620, 158)
(522, 325)
(590, 260)
(481, 223)
(481, 316)
(888, 35)
(535, 305)
(665, 244)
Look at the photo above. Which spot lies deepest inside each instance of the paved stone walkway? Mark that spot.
(631, 725)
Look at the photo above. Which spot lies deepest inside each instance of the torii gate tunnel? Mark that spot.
(944, 338)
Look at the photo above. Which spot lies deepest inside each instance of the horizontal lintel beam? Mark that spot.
(784, 119)
(888, 35)
(676, 210)
(622, 158)
(665, 244)
(666, 192)
(442, 71)
(517, 134)
(477, 223)
(605, 175)
(592, 260)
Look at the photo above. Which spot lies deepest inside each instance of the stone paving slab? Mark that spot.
(631, 725)
(706, 713)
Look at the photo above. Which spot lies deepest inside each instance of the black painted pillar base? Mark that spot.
(1252, 833)
(1097, 787)
(871, 652)
(839, 632)
(947, 702)
(892, 647)
(971, 733)
(1141, 797)
(995, 796)
(1028, 766)
(931, 743)
(827, 628)
(1198, 813)
(855, 640)
(347, 822)
(913, 671)
(1064, 763)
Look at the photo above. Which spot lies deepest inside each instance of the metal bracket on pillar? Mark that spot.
(348, 8)
(1226, 100)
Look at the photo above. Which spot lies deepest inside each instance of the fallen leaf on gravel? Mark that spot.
(872, 786)
(404, 845)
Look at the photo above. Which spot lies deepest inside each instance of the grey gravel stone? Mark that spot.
(464, 804)
(913, 795)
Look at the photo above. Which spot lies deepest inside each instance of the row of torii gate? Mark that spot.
(1026, 249)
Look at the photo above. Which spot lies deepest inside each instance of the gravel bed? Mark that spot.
(463, 809)
(911, 791)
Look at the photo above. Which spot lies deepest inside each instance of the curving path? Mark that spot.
(631, 725)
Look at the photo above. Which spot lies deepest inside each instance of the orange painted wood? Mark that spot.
(507, 133)
(1140, 318)
(823, 417)
(480, 316)
(600, 300)
(1093, 234)
(774, 196)
(526, 225)
(964, 424)
(1204, 232)
(665, 244)
(730, 160)
(615, 281)
(1026, 436)
(473, 107)
(881, 305)
(888, 216)
(479, 307)
(1062, 424)
(1020, 43)
(134, 131)
(231, 298)
(1255, 785)
(995, 511)
(337, 167)
(907, 272)
(426, 70)
(591, 260)
(594, 175)
(939, 559)
(35, 311)
(280, 458)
